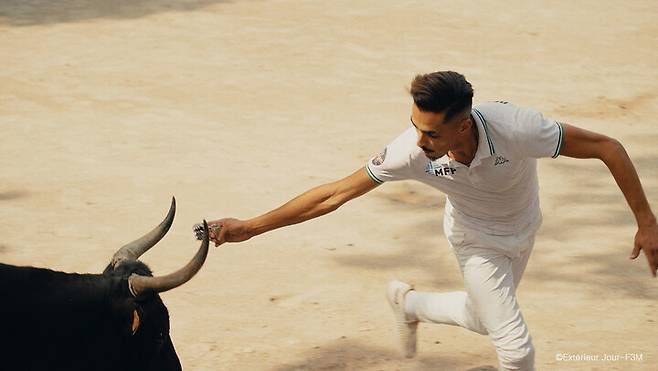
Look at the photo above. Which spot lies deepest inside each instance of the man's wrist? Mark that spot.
(646, 220)
(254, 228)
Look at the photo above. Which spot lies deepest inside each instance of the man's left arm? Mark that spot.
(580, 143)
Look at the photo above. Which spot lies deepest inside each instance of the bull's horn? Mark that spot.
(135, 249)
(142, 284)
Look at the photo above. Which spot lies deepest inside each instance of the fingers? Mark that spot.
(214, 237)
(652, 259)
(653, 262)
(636, 251)
(214, 231)
(225, 230)
(217, 232)
(222, 237)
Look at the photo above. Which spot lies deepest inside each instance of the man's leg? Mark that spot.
(448, 308)
(487, 307)
(489, 281)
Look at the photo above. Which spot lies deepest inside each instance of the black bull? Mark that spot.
(111, 321)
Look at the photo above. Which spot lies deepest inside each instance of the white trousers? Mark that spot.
(492, 267)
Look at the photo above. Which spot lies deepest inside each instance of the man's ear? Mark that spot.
(465, 125)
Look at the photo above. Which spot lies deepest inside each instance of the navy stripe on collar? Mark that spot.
(492, 149)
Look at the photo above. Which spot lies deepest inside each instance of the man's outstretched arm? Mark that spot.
(580, 143)
(311, 204)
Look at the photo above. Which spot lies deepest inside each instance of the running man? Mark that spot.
(484, 159)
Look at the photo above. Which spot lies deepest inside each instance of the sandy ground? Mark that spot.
(107, 109)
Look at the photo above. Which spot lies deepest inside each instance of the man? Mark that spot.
(484, 159)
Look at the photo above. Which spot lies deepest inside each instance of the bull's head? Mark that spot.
(143, 318)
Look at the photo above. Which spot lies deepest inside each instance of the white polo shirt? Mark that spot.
(498, 194)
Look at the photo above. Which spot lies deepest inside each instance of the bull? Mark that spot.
(111, 321)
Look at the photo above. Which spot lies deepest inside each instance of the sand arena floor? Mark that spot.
(107, 109)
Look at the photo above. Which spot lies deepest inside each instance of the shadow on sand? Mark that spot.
(351, 355)
(40, 12)
(418, 245)
(13, 195)
(589, 190)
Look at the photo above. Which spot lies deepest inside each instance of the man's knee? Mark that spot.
(521, 357)
(472, 320)
(473, 323)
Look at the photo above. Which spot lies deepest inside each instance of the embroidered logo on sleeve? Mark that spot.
(379, 159)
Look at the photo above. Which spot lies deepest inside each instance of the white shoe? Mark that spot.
(406, 327)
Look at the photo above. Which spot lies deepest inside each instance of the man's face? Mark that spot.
(435, 137)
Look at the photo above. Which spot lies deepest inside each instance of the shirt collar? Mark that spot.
(485, 143)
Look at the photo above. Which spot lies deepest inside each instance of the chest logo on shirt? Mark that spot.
(439, 170)
(500, 160)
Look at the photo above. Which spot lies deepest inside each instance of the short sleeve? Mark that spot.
(537, 136)
(394, 161)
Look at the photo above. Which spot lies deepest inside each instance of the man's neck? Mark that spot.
(465, 152)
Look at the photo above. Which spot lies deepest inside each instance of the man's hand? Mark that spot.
(232, 230)
(647, 239)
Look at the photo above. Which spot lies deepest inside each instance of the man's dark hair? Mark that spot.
(444, 92)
